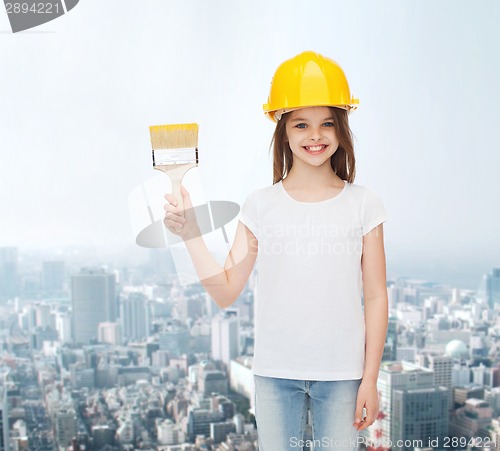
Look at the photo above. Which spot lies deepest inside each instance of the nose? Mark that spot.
(315, 133)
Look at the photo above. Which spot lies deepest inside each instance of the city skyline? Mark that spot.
(446, 270)
(151, 348)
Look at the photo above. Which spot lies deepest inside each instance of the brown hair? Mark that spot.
(343, 161)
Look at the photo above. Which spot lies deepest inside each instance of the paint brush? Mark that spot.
(175, 151)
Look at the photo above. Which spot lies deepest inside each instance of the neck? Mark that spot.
(312, 176)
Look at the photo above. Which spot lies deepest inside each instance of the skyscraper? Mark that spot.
(4, 417)
(419, 416)
(53, 276)
(411, 406)
(42, 315)
(225, 336)
(94, 301)
(63, 326)
(442, 366)
(489, 288)
(134, 316)
(8, 272)
(65, 426)
(109, 333)
(391, 341)
(174, 339)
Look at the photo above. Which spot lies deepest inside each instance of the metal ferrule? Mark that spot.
(175, 156)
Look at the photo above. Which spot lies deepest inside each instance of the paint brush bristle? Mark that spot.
(174, 136)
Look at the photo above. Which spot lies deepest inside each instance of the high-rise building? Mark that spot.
(472, 421)
(419, 415)
(492, 396)
(461, 394)
(391, 341)
(219, 431)
(42, 315)
(225, 336)
(212, 381)
(94, 301)
(8, 273)
(489, 288)
(169, 433)
(242, 380)
(82, 376)
(125, 433)
(53, 276)
(4, 420)
(109, 333)
(201, 336)
(65, 425)
(442, 366)
(199, 421)
(102, 435)
(175, 339)
(190, 307)
(408, 396)
(63, 326)
(495, 432)
(134, 316)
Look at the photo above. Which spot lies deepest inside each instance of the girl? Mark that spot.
(319, 241)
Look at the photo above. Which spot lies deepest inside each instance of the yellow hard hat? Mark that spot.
(308, 79)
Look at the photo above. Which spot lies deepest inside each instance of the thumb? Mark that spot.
(186, 198)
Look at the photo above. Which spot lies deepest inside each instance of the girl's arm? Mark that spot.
(223, 284)
(376, 319)
(375, 300)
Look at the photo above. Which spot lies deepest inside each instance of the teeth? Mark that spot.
(315, 148)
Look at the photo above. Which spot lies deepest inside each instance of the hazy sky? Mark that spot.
(77, 96)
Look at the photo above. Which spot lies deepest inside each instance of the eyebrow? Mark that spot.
(297, 119)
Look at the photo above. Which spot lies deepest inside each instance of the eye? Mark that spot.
(329, 124)
(301, 125)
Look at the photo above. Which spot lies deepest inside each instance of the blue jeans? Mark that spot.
(281, 407)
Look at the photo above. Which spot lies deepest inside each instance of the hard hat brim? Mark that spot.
(276, 115)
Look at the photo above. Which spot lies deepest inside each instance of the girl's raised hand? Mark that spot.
(181, 222)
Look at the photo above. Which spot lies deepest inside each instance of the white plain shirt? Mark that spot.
(309, 321)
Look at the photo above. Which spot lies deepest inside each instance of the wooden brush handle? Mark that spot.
(176, 173)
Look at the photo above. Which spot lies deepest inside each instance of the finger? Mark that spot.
(174, 213)
(371, 416)
(175, 217)
(362, 426)
(366, 424)
(358, 416)
(172, 208)
(172, 225)
(172, 222)
(171, 199)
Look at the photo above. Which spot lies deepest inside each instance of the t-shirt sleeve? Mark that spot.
(374, 212)
(249, 213)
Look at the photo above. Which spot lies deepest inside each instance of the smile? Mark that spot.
(315, 149)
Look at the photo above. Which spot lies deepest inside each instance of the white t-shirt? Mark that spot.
(309, 321)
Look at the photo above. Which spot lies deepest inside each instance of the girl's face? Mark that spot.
(311, 135)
